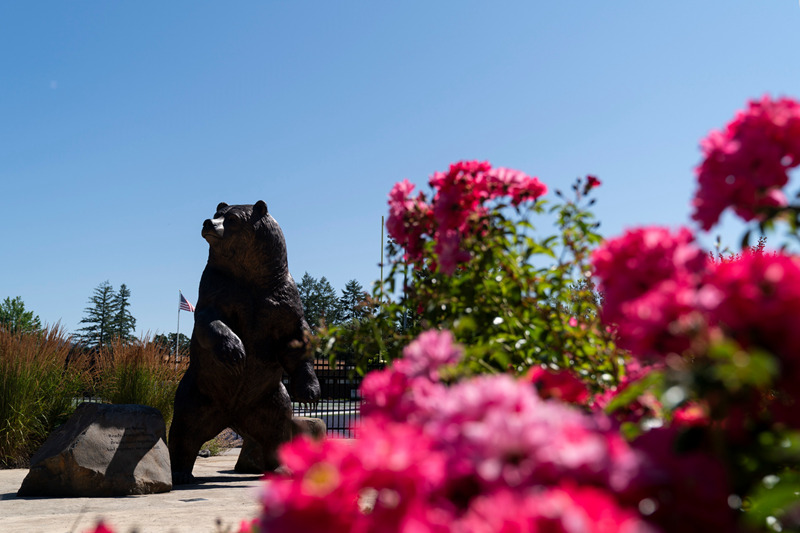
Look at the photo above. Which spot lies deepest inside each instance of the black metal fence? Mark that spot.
(340, 401)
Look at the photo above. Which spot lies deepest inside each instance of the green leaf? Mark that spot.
(770, 501)
(632, 392)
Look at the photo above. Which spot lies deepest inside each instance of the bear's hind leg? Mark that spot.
(269, 424)
(195, 421)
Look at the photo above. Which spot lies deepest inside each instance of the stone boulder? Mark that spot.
(103, 450)
(251, 458)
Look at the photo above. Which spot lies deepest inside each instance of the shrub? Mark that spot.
(39, 385)
(471, 257)
(138, 373)
(707, 392)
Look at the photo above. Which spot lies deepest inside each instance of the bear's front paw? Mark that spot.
(307, 395)
(305, 387)
(232, 354)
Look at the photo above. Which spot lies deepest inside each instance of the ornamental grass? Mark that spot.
(138, 373)
(38, 386)
(44, 376)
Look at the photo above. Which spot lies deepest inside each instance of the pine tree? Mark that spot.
(320, 303)
(122, 322)
(14, 317)
(99, 317)
(306, 288)
(352, 301)
(329, 302)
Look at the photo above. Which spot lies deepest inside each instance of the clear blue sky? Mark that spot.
(123, 124)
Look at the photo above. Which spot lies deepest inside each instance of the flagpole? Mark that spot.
(178, 331)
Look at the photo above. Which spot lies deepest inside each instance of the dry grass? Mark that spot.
(38, 387)
(139, 373)
(41, 383)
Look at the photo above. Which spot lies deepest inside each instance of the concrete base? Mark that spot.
(221, 495)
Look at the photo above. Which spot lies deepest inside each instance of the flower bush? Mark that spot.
(719, 336)
(746, 165)
(559, 383)
(483, 454)
(468, 257)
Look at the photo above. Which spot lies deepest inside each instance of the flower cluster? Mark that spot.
(663, 295)
(459, 201)
(409, 219)
(756, 299)
(745, 165)
(483, 454)
(648, 278)
(559, 384)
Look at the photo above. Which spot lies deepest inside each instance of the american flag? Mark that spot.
(185, 305)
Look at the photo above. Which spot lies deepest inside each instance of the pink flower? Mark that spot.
(400, 197)
(410, 387)
(460, 202)
(409, 219)
(691, 415)
(563, 509)
(755, 301)
(498, 433)
(102, 528)
(380, 481)
(759, 296)
(449, 252)
(561, 385)
(661, 321)
(649, 278)
(249, 526)
(633, 264)
(745, 165)
(590, 183)
(425, 355)
(487, 454)
(459, 192)
(384, 392)
(518, 185)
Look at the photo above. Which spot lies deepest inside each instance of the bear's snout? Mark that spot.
(213, 228)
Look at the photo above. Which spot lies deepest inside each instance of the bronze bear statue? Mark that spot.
(249, 329)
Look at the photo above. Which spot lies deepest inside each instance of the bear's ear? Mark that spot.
(260, 208)
(221, 206)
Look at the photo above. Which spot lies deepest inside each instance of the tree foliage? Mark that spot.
(14, 318)
(353, 303)
(167, 343)
(320, 302)
(123, 324)
(108, 317)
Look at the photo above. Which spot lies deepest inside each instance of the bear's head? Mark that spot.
(246, 242)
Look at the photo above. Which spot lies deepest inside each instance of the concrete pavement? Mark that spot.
(217, 504)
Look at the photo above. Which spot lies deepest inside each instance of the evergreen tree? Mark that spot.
(329, 302)
(306, 288)
(14, 317)
(99, 317)
(167, 343)
(122, 322)
(320, 302)
(352, 302)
